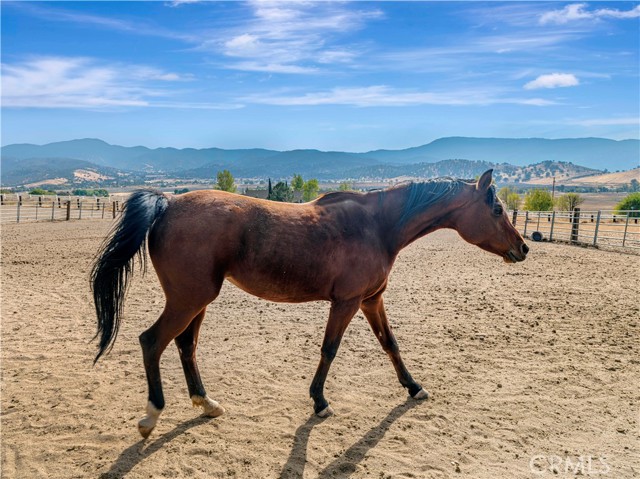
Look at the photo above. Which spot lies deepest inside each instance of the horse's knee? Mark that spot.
(329, 352)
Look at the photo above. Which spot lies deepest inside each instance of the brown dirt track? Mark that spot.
(539, 358)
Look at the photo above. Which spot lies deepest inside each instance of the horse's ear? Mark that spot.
(485, 180)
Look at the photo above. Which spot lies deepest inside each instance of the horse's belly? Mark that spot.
(279, 291)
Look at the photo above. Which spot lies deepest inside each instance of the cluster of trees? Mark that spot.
(281, 191)
(541, 200)
(41, 192)
(96, 192)
(76, 192)
(631, 202)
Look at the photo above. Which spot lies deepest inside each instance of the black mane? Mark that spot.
(424, 194)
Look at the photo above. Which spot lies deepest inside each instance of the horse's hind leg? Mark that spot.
(172, 322)
(187, 343)
(373, 310)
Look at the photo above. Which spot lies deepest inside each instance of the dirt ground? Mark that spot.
(530, 366)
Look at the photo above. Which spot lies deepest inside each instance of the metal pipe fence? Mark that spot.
(601, 228)
(19, 209)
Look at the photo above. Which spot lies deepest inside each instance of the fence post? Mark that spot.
(53, 209)
(553, 222)
(59, 206)
(526, 221)
(113, 205)
(2, 199)
(595, 234)
(79, 209)
(515, 217)
(37, 206)
(538, 226)
(575, 225)
(20, 199)
(626, 226)
(103, 205)
(68, 210)
(18, 212)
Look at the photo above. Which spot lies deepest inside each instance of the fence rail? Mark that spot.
(18, 209)
(617, 229)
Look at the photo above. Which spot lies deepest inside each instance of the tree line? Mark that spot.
(542, 200)
(282, 190)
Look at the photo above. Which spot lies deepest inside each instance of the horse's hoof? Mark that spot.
(326, 412)
(144, 428)
(422, 394)
(213, 410)
(211, 407)
(147, 423)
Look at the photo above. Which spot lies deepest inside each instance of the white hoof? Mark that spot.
(422, 394)
(211, 407)
(326, 412)
(147, 423)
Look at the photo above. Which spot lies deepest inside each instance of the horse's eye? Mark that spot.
(497, 210)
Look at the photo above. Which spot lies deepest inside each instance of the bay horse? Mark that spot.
(339, 248)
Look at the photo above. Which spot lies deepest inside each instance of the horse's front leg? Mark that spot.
(339, 318)
(373, 310)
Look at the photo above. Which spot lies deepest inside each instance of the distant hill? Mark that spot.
(596, 153)
(515, 160)
(134, 158)
(58, 172)
(608, 179)
(503, 173)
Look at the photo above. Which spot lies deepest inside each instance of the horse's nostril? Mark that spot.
(524, 248)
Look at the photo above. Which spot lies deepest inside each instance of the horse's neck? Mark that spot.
(433, 217)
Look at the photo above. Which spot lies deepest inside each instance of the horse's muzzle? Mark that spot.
(521, 255)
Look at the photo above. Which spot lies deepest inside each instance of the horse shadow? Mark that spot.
(137, 452)
(342, 466)
(345, 464)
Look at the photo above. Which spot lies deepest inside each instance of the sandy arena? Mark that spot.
(529, 366)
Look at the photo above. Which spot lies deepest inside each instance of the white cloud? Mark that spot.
(291, 37)
(579, 11)
(385, 96)
(110, 23)
(177, 3)
(76, 82)
(553, 80)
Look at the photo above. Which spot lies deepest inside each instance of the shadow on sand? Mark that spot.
(345, 464)
(342, 467)
(137, 452)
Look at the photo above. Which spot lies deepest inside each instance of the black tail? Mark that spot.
(113, 268)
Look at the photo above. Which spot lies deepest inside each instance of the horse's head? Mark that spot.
(483, 221)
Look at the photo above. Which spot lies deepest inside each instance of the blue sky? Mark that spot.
(351, 76)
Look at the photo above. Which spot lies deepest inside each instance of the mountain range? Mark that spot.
(455, 156)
